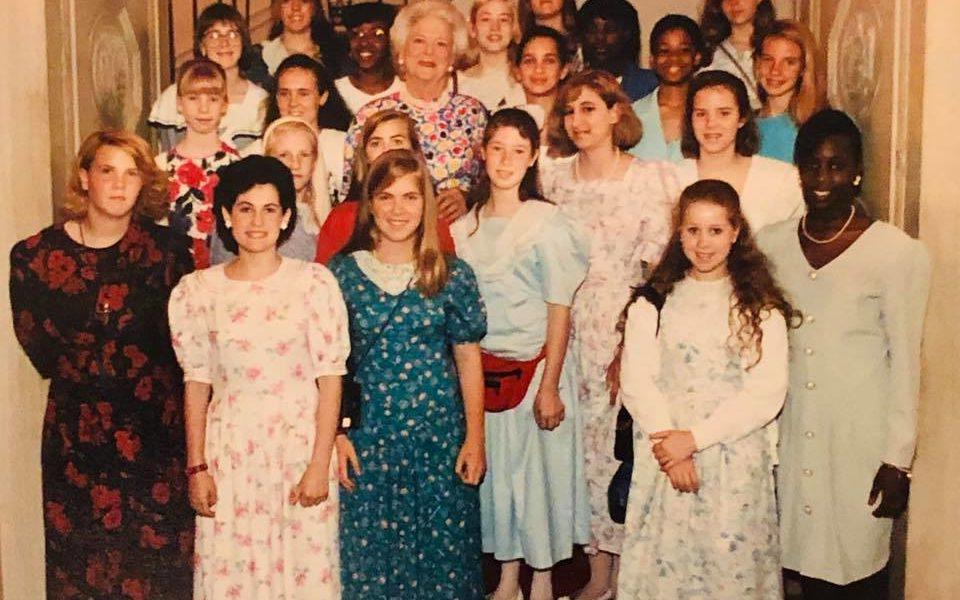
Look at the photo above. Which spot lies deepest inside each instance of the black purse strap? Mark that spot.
(383, 326)
(747, 79)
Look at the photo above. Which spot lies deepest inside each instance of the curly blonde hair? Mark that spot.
(151, 202)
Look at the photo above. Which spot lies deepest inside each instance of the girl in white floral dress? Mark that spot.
(263, 342)
(624, 206)
(704, 372)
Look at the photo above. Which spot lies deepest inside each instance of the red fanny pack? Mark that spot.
(506, 381)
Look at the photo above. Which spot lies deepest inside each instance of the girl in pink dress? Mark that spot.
(263, 343)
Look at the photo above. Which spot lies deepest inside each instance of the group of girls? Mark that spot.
(498, 283)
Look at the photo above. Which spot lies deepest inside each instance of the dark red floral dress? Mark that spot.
(94, 322)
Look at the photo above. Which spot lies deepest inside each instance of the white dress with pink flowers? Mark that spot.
(627, 222)
(261, 345)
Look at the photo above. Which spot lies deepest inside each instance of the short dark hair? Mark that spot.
(334, 113)
(619, 12)
(239, 178)
(368, 12)
(683, 23)
(542, 31)
(825, 124)
(748, 138)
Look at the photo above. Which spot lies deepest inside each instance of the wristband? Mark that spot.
(191, 471)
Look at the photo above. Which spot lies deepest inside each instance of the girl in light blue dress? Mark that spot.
(529, 262)
(704, 374)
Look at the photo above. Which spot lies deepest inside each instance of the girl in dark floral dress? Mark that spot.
(89, 301)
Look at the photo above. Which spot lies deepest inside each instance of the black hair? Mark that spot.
(368, 12)
(825, 124)
(520, 120)
(683, 23)
(748, 138)
(239, 178)
(619, 12)
(223, 12)
(334, 113)
(542, 31)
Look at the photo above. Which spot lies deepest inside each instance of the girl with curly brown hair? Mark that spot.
(705, 373)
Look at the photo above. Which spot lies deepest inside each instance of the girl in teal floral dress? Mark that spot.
(410, 528)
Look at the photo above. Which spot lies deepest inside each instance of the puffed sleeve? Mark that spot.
(903, 307)
(761, 397)
(562, 254)
(658, 194)
(29, 303)
(791, 201)
(191, 331)
(639, 369)
(466, 315)
(328, 333)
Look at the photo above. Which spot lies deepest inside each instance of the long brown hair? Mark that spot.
(755, 292)
(361, 162)
(716, 27)
(152, 201)
(431, 270)
(520, 120)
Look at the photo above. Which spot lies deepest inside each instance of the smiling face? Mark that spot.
(389, 135)
(297, 95)
(604, 43)
(828, 175)
(369, 45)
(716, 120)
(256, 219)
(589, 122)
(674, 57)
(507, 157)
(428, 52)
(540, 69)
(397, 209)
(779, 66)
(706, 235)
(297, 149)
(223, 44)
(739, 12)
(112, 183)
(546, 9)
(296, 15)
(492, 26)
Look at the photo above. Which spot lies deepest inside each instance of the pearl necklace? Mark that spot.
(806, 234)
(603, 176)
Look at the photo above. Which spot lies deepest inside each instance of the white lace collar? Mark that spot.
(391, 278)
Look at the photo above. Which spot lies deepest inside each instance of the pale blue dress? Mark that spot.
(533, 499)
(653, 146)
(854, 389)
(778, 135)
(720, 543)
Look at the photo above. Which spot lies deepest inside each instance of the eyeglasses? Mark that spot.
(215, 35)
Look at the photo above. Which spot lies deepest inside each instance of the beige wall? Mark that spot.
(25, 203)
(932, 557)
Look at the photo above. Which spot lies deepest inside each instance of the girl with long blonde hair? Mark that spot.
(417, 453)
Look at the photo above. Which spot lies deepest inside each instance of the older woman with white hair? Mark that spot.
(429, 37)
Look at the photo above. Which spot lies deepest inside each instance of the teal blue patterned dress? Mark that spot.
(411, 529)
